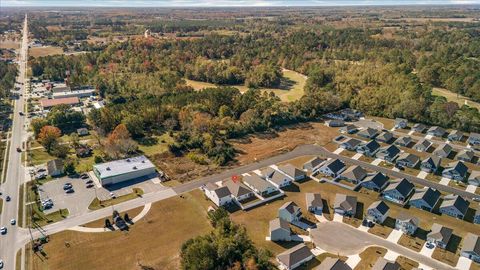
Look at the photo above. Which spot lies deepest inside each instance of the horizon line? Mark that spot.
(253, 6)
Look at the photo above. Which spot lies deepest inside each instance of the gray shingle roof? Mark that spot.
(368, 132)
(237, 189)
(345, 202)
(383, 264)
(411, 158)
(278, 223)
(471, 243)
(291, 207)
(314, 162)
(257, 182)
(314, 200)
(443, 150)
(456, 201)
(220, 191)
(379, 179)
(355, 173)
(291, 170)
(429, 195)
(440, 233)
(278, 177)
(294, 255)
(403, 186)
(404, 140)
(434, 161)
(419, 127)
(466, 154)
(458, 166)
(381, 207)
(335, 165)
(54, 165)
(333, 264)
(405, 217)
(424, 142)
(385, 136)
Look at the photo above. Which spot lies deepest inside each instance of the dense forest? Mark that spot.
(8, 74)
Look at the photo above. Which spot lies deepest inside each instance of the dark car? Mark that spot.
(70, 190)
(19, 150)
(84, 176)
(90, 185)
(89, 182)
(8, 198)
(67, 186)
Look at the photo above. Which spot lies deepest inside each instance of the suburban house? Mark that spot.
(122, 170)
(420, 128)
(443, 151)
(455, 135)
(476, 216)
(474, 178)
(431, 164)
(279, 230)
(294, 257)
(471, 247)
(333, 167)
(377, 212)
(454, 206)
(218, 195)
(369, 149)
(83, 151)
(289, 212)
(313, 164)
(384, 264)
(388, 153)
(401, 123)
(406, 223)
(399, 191)
(293, 172)
(267, 173)
(474, 139)
(425, 198)
(314, 202)
(354, 174)
(465, 155)
(333, 264)
(407, 160)
(47, 104)
(384, 137)
(376, 181)
(335, 123)
(439, 236)
(238, 190)
(456, 171)
(345, 205)
(55, 167)
(257, 184)
(349, 129)
(280, 180)
(368, 133)
(422, 145)
(350, 144)
(436, 131)
(403, 141)
(82, 132)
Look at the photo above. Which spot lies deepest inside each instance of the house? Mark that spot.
(431, 164)
(293, 172)
(267, 173)
(474, 178)
(46, 104)
(55, 167)
(425, 199)
(335, 123)
(436, 131)
(313, 164)
(238, 190)
(257, 184)
(420, 128)
(354, 174)
(422, 145)
(350, 144)
(333, 167)
(220, 196)
(83, 151)
(455, 135)
(384, 137)
(403, 141)
(471, 247)
(378, 212)
(401, 123)
(376, 182)
(399, 191)
(369, 149)
(474, 139)
(333, 264)
(294, 257)
(456, 171)
(406, 223)
(439, 236)
(279, 180)
(465, 155)
(384, 264)
(117, 171)
(443, 151)
(368, 133)
(289, 212)
(454, 206)
(279, 230)
(349, 129)
(407, 160)
(82, 132)
(345, 205)
(476, 216)
(314, 202)
(388, 153)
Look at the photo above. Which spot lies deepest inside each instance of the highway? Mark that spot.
(15, 171)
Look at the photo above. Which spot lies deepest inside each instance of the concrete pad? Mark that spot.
(321, 218)
(395, 169)
(411, 132)
(353, 261)
(363, 228)
(471, 188)
(357, 156)
(317, 251)
(426, 251)
(394, 236)
(444, 181)
(156, 180)
(338, 218)
(267, 238)
(273, 166)
(428, 137)
(338, 151)
(258, 172)
(301, 238)
(392, 129)
(463, 263)
(424, 267)
(245, 174)
(422, 174)
(391, 255)
(376, 162)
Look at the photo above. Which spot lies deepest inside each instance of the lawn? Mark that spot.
(39, 156)
(154, 242)
(450, 96)
(414, 242)
(44, 51)
(97, 204)
(160, 145)
(406, 263)
(369, 257)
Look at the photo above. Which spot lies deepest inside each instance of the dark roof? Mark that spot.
(372, 145)
(391, 150)
(347, 203)
(443, 150)
(424, 142)
(349, 128)
(333, 264)
(294, 255)
(405, 217)
(419, 126)
(352, 142)
(471, 243)
(429, 195)
(355, 173)
(55, 165)
(437, 129)
(380, 206)
(458, 166)
(220, 191)
(466, 154)
(456, 201)
(383, 264)
(403, 186)
(314, 162)
(335, 165)
(368, 132)
(440, 233)
(314, 199)
(398, 120)
(433, 160)
(291, 170)
(379, 179)
(291, 207)
(404, 140)
(385, 136)
(409, 157)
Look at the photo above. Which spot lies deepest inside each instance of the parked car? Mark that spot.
(19, 150)
(89, 182)
(112, 195)
(89, 185)
(67, 186)
(84, 176)
(3, 230)
(476, 199)
(1, 264)
(70, 190)
(8, 198)
(13, 221)
(430, 245)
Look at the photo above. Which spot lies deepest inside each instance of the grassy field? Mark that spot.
(290, 89)
(450, 96)
(44, 51)
(9, 44)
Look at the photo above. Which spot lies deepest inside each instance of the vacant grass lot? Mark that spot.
(44, 51)
(369, 256)
(450, 96)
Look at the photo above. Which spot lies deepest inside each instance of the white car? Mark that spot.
(3, 230)
(13, 221)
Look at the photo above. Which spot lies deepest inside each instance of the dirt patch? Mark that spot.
(44, 51)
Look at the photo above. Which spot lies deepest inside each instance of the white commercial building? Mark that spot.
(117, 171)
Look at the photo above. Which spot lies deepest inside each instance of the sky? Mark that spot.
(225, 3)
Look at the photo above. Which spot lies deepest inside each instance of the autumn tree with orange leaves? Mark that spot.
(119, 143)
(48, 137)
